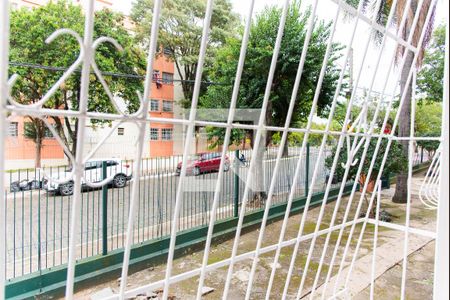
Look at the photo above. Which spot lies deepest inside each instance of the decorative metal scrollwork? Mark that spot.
(76, 64)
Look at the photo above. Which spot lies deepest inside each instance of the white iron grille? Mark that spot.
(362, 130)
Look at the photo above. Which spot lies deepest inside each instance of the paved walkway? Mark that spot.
(388, 266)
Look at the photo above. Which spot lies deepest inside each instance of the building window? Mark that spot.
(167, 78)
(13, 129)
(154, 105)
(154, 134)
(167, 105)
(120, 131)
(155, 75)
(156, 79)
(166, 134)
(167, 51)
(48, 133)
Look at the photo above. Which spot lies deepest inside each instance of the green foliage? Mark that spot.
(428, 124)
(259, 54)
(181, 24)
(30, 29)
(430, 79)
(296, 138)
(216, 135)
(341, 111)
(396, 161)
(35, 130)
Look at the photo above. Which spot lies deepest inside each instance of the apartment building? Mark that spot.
(21, 151)
(161, 136)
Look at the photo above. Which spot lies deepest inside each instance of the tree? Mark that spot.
(430, 81)
(181, 32)
(259, 53)
(392, 166)
(216, 136)
(381, 13)
(35, 130)
(428, 124)
(254, 79)
(401, 188)
(314, 139)
(30, 29)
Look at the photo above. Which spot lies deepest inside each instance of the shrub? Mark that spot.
(395, 163)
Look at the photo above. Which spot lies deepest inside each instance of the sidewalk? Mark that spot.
(388, 271)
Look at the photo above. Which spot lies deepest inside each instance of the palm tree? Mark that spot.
(401, 189)
(382, 12)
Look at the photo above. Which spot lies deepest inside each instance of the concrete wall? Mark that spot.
(21, 151)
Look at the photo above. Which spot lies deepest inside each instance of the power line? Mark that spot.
(104, 73)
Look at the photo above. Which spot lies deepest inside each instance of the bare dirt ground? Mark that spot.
(388, 270)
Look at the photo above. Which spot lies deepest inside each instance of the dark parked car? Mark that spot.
(25, 185)
(204, 162)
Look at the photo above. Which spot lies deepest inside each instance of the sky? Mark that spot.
(326, 10)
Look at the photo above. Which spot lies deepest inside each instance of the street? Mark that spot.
(38, 222)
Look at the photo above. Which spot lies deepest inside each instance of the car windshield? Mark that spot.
(204, 156)
(195, 156)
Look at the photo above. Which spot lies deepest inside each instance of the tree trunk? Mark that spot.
(286, 149)
(257, 183)
(38, 145)
(404, 126)
(258, 176)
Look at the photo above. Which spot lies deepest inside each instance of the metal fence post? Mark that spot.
(104, 211)
(236, 185)
(421, 155)
(307, 170)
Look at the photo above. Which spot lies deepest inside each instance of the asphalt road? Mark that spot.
(38, 222)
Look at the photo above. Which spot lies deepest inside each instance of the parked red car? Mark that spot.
(204, 162)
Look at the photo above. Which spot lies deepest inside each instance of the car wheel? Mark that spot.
(226, 167)
(119, 181)
(196, 171)
(34, 185)
(66, 189)
(15, 187)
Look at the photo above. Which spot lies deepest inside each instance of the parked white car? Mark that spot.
(120, 173)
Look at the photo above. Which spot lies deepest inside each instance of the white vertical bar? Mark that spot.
(189, 134)
(316, 168)
(226, 141)
(432, 191)
(364, 155)
(441, 264)
(297, 170)
(428, 182)
(409, 184)
(322, 209)
(4, 50)
(375, 240)
(344, 179)
(78, 164)
(278, 158)
(138, 160)
(257, 143)
(386, 153)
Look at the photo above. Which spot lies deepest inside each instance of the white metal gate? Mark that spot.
(362, 131)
